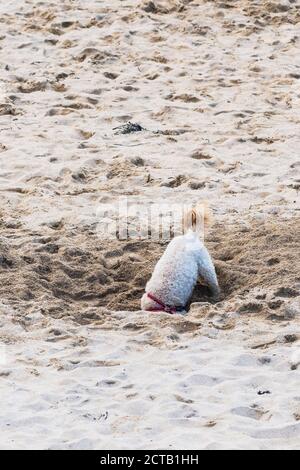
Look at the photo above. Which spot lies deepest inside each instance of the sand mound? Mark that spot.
(71, 273)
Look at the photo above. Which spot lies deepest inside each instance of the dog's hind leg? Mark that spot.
(207, 272)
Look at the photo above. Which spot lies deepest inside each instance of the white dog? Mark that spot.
(176, 274)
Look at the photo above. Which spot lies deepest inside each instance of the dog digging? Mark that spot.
(69, 273)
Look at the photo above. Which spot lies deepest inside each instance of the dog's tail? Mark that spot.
(197, 218)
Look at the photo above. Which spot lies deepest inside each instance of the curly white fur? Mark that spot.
(176, 274)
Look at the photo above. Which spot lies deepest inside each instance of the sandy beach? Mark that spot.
(212, 92)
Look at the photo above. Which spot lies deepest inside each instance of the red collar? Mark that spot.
(164, 307)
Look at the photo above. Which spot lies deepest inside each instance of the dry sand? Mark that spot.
(215, 87)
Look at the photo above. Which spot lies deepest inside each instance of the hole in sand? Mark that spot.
(67, 273)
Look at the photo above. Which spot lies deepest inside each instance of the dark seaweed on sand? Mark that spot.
(128, 128)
